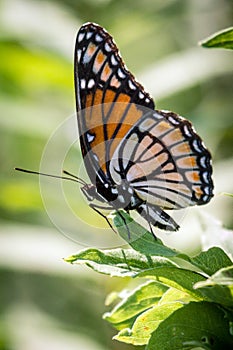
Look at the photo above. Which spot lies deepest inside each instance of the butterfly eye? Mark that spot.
(89, 191)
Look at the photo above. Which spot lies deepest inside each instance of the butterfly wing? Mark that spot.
(165, 161)
(108, 98)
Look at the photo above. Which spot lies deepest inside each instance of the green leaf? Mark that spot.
(173, 294)
(178, 278)
(140, 299)
(212, 260)
(222, 39)
(117, 262)
(196, 325)
(219, 287)
(148, 321)
(140, 239)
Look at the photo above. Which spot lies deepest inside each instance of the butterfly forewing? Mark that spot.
(108, 96)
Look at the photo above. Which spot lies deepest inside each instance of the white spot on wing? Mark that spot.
(187, 131)
(205, 198)
(203, 161)
(141, 95)
(197, 146)
(173, 121)
(120, 73)
(89, 35)
(205, 177)
(131, 85)
(90, 137)
(79, 55)
(157, 116)
(81, 37)
(98, 38)
(147, 100)
(86, 58)
(83, 83)
(91, 83)
(113, 60)
(107, 47)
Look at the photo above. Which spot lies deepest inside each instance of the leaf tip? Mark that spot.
(70, 259)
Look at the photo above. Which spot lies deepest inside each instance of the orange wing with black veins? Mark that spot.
(108, 98)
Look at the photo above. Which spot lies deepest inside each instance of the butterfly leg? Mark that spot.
(157, 217)
(149, 222)
(94, 207)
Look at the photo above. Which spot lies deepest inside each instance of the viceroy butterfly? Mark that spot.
(136, 157)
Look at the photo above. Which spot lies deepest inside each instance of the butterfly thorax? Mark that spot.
(118, 196)
(126, 196)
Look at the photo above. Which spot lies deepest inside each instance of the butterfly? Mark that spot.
(137, 157)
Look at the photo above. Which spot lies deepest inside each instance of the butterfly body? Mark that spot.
(118, 196)
(124, 197)
(137, 158)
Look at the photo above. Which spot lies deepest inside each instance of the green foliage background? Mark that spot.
(43, 302)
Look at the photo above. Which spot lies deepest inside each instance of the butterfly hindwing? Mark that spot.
(165, 162)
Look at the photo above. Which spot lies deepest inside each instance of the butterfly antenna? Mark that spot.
(76, 177)
(80, 181)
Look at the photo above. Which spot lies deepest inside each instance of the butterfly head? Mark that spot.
(89, 191)
(98, 192)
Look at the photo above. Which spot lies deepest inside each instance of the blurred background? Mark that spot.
(44, 302)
